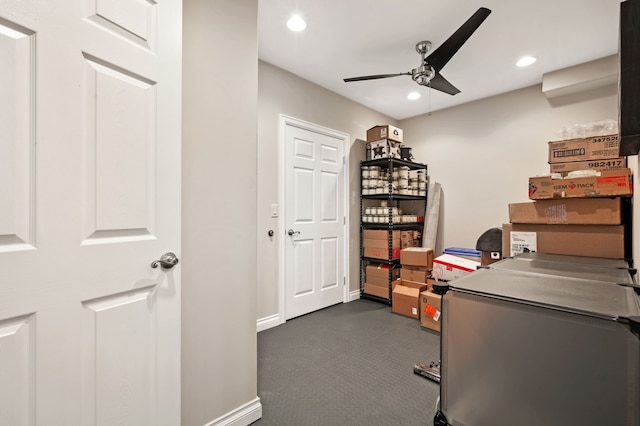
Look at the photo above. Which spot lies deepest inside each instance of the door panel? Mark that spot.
(89, 196)
(314, 212)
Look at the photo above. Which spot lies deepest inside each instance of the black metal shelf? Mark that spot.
(376, 260)
(384, 162)
(397, 197)
(394, 199)
(395, 226)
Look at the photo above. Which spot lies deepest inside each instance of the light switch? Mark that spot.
(274, 210)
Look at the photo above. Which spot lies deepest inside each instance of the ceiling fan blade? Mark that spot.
(440, 83)
(374, 77)
(439, 57)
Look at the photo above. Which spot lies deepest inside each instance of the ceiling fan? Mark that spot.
(428, 73)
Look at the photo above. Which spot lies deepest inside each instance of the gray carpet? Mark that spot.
(350, 364)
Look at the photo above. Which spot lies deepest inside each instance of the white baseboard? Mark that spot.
(241, 416)
(354, 295)
(269, 322)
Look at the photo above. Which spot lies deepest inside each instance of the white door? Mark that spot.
(89, 197)
(314, 218)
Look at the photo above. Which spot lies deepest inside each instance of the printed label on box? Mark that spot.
(431, 312)
(414, 311)
(522, 242)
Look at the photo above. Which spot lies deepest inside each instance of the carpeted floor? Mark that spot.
(350, 364)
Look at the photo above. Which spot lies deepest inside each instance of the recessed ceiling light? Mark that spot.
(525, 61)
(413, 96)
(296, 23)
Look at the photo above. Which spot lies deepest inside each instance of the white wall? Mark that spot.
(280, 92)
(219, 348)
(482, 153)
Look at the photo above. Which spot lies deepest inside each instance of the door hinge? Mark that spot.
(344, 280)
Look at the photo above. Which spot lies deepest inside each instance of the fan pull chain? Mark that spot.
(430, 98)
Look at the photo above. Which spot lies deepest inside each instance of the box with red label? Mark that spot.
(430, 310)
(448, 267)
(378, 274)
(382, 254)
(610, 183)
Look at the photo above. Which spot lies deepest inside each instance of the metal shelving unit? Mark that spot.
(393, 200)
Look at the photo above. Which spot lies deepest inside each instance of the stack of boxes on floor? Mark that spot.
(413, 293)
(579, 208)
(376, 246)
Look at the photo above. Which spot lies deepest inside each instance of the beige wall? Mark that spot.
(280, 92)
(219, 351)
(482, 153)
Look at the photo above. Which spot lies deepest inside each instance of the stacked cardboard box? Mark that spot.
(580, 213)
(375, 244)
(383, 142)
(415, 272)
(376, 281)
(410, 239)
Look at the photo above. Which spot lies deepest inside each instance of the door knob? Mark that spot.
(291, 232)
(166, 261)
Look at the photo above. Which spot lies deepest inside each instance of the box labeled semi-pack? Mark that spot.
(384, 148)
(405, 301)
(575, 240)
(417, 256)
(448, 267)
(610, 183)
(430, 310)
(591, 148)
(568, 211)
(384, 132)
(597, 165)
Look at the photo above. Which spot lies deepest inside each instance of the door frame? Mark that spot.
(285, 121)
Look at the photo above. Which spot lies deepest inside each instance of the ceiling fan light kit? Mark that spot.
(428, 72)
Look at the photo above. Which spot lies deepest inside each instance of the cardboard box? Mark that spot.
(384, 132)
(381, 253)
(383, 148)
(449, 267)
(405, 301)
(568, 211)
(413, 284)
(373, 243)
(592, 148)
(381, 271)
(414, 273)
(610, 163)
(576, 240)
(417, 256)
(377, 291)
(611, 183)
(430, 310)
(379, 234)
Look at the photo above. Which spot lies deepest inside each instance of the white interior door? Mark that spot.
(314, 218)
(89, 197)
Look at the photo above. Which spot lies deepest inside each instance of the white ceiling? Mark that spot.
(350, 38)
